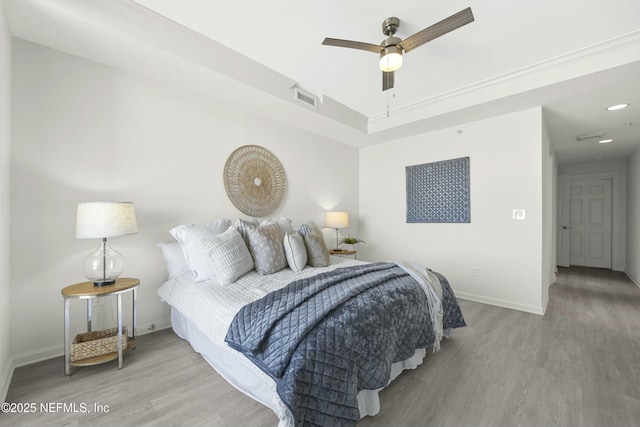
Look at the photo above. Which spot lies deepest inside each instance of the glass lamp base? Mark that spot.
(103, 265)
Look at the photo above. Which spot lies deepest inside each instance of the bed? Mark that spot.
(304, 340)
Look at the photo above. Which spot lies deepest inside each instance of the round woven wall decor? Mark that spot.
(255, 181)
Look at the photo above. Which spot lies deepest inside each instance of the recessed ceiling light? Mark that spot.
(605, 141)
(617, 107)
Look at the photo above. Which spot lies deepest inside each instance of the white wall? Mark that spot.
(5, 153)
(506, 173)
(632, 266)
(84, 131)
(549, 216)
(617, 171)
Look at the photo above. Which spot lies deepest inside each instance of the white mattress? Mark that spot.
(202, 312)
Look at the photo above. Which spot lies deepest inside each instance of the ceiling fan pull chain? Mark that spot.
(387, 104)
(393, 95)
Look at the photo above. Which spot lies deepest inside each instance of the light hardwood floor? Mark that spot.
(579, 365)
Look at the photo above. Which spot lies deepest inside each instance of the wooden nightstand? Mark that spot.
(343, 253)
(86, 290)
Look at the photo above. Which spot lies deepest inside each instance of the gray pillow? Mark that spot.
(317, 251)
(229, 256)
(243, 226)
(265, 245)
(285, 224)
(309, 228)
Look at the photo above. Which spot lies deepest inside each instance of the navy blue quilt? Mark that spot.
(325, 338)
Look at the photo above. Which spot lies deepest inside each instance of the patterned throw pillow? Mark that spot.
(285, 224)
(242, 225)
(317, 251)
(229, 256)
(190, 237)
(265, 245)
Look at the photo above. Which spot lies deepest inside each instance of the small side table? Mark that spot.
(86, 290)
(343, 252)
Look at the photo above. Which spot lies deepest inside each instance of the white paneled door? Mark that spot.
(590, 222)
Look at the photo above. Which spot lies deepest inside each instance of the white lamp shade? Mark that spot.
(105, 219)
(336, 220)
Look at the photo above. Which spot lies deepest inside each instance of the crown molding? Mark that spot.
(598, 57)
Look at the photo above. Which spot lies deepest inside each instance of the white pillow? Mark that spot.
(229, 255)
(190, 237)
(295, 251)
(173, 258)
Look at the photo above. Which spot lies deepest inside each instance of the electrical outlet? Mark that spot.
(474, 271)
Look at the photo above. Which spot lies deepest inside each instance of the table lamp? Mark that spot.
(101, 220)
(336, 220)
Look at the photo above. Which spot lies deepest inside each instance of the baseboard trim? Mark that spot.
(633, 279)
(37, 355)
(46, 353)
(501, 303)
(6, 382)
(545, 303)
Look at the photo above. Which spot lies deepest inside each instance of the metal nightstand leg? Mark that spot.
(67, 340)
(89, 314)
(119, 297)
(135, 312)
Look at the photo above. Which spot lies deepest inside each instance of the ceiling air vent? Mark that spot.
(306, 98)
(590, 136)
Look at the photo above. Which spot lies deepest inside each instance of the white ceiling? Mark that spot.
(572, 57)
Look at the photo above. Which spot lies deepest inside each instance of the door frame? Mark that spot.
(563, 220)
(618, 214)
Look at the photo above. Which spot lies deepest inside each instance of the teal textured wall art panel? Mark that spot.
(439, 192)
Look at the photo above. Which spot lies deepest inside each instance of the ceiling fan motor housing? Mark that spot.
(391, 48)
(391, 44)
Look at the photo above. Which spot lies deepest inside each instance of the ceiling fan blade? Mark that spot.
(387, 80)
(451, 23)
(353, 45)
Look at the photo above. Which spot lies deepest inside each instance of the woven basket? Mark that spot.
(97, 343)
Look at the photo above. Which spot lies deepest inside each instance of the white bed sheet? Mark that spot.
(202, 312)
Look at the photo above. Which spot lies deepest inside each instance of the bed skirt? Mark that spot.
(263, 389)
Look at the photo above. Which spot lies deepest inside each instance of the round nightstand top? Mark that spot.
(89, 290)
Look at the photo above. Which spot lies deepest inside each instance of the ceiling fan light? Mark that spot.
(391, 59)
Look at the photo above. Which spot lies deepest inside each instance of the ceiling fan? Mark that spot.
(391, 48)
